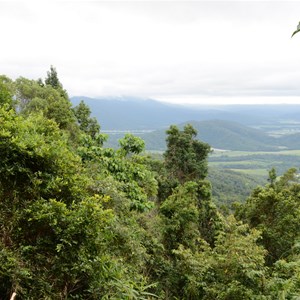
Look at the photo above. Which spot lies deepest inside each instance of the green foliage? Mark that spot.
(66, 243)
(52, 80)
(134, 178)
(131, 144)
(188, 220)
(35, 160)
(59, 237)
(32, 97)
(232, 269)
(210, 220)
(185, 157)
(275, 210)
(189, 214)
(166, 183)
(272, 176)
(229, 186)
(6, 96)
(285, 280)
(180, 217)
(87, 124)
(79, 221)
(239, 262)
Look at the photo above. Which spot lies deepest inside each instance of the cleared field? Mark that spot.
(227, 153)
(255, 163)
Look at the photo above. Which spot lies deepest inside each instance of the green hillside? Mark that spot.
(291, 140)
(219, 134)
(132, 113)
(233, 136)
(230, 186)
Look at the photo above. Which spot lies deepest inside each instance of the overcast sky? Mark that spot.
(178, 51)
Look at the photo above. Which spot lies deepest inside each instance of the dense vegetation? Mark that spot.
(81, 221)
(229, 186)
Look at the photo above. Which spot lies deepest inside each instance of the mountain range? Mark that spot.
(230, 127)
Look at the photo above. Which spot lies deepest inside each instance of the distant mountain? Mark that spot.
(220, 134)
(125, 113)
(229, 127)
(135, 114)
(234, 136)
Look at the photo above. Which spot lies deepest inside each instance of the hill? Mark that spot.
(128, 113)
(234, 136)
(121, 113)
(291, 140)
(219, 134)
(230, 127)
(229, 186)
(131, 113)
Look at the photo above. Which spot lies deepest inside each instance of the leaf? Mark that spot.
(298, 29)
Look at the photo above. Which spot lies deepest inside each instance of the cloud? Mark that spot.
(166, 50)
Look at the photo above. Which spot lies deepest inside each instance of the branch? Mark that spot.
(13, 296)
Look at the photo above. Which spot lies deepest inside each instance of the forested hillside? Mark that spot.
(134, 113)
(139, 113)
(84, 221)
(221, 134)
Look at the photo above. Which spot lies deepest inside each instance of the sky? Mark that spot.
(196, 52)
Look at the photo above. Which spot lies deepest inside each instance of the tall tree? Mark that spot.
(275, 210)
(186, 157)
(32, 97)
(60, 234)
(52, 79)
(87, 124)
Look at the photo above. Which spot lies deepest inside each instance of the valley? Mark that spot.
(247, 140)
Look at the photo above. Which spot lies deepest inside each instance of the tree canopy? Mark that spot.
(186, 157)
(82, 221)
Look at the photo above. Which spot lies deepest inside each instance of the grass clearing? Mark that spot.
(229, 153)
(256, 163)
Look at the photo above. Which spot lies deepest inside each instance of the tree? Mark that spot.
(185, 157)
(80, 221)
(87, 124)
(36, 165)
(180, 217)
(62, 236)
(32, 98)
(275, 210)
(232, 269)
(6, 95)
(131, 144)
(52, 80)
